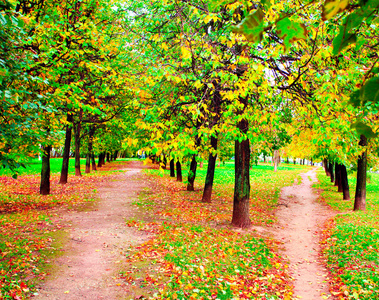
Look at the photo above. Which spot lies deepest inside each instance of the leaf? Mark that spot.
(290, 31)
(364, 129)
(342, 40)
(333, 7)
(368, 92)
(251, 27)
(186, 54)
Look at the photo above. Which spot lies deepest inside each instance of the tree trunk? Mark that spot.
(45, 171)
(88, 163)
(336, 174)
(108, 157)
(207, 193)
(103, 159)
(276, 160)
(100, 160)
(77, 131)
(294, 161)
(344, 183)
(192, 174)
(326, 167)
(90, 149)
(93, 162)
(172, 168)
(66, 151)
(115, 155)
(241, 216)
(360, 192)
(288, 160)
(179, 176)
(330, 168)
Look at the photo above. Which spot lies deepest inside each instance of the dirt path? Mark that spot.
(300, 218)
(92, 258)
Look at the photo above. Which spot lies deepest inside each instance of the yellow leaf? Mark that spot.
(186, 54)
(333, 7)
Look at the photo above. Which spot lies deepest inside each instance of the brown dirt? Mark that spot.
(98, 239)
(300, 223)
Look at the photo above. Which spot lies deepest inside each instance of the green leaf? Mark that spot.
(364, 129)
(251, 27)
(290, 31)
(333, 7)
(368, 92)
(342, 40)
(359, 43)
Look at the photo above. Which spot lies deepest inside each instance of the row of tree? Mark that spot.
(184, 78)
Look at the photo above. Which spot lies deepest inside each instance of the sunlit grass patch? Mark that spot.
(351, 243)
(201, 262)
(198, 250)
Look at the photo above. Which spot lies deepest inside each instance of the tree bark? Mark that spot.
(207, 193)
(103, 158)
(330, 168)
(172, 168)
(360, 192)
(108, 157)
(241, 216)
(66, 151)
(179, 176)
(93, 162)
(90, 149)
(192, 174)
(336, 175)
(326, 167)
(100, 160)
(344, 183)
(77, 132)
(276, 160)
(45, 171)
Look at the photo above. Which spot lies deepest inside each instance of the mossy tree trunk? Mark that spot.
(93, 162)
(45, 171)
(331, 168)
(207, 193)
(172, 168)
(179, 176)
(77, 132)
(192, 174)
(360, 192)
(241, 216)
(344, 183)
(66, 151)
(90, 149)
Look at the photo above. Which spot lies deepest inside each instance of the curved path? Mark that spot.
(97, 240)
(300, 221)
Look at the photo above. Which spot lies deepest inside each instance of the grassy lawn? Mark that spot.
(196, 254)
(351, 243)
(33, 166)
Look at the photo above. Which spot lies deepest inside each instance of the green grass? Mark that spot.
(202, 256)
(33, 166)
(351, 245)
